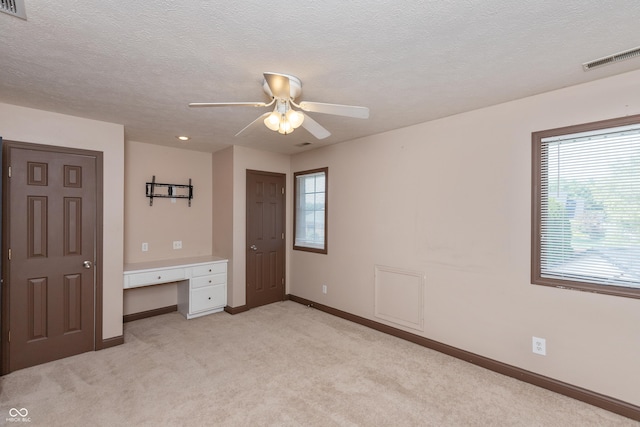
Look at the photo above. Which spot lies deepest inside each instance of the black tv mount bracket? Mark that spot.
(171, 191)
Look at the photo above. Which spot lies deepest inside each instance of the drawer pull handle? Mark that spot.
(209, 297)
(209, 281)
(209, 270)
(159, 277)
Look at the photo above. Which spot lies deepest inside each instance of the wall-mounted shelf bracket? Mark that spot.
(173, 191)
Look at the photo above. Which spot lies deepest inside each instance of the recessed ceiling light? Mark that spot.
(183, 138)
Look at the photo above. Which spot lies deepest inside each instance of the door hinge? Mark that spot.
(9, 254)
(9, 171)
(283, 280)
(282, 190)
(9, 336)
(282, 236)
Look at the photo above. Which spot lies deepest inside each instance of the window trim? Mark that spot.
(325, 170)
(536, 216)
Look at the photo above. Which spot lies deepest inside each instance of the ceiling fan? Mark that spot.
(283, 89)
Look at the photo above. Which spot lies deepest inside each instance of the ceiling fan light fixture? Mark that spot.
(295, 118)
(273, 121)
(284, 119)
(285, 127)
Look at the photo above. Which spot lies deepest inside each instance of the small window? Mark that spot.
(310, 216)
(586, 207)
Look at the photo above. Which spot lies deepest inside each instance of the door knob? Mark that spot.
(253, 247)
(86, 264)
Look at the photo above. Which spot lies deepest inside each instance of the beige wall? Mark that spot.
(450, 199)
(222, 212)
(159, 225)
(42, 127)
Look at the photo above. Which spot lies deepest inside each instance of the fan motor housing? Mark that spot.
(295, 86)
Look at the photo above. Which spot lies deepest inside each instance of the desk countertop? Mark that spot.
(173, 262)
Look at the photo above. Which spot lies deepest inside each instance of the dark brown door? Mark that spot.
(52, 241)
(265, 238)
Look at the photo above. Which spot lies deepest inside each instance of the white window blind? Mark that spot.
(590, 207)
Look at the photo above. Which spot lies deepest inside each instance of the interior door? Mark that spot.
(50, 234)
(265, 238)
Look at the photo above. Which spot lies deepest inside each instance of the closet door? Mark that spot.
(51, 238)
(265, 238)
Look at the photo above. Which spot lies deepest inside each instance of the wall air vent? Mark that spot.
(13, 7)
(627, 54)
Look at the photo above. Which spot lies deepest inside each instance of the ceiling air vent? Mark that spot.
(13, 7)
(611, 59)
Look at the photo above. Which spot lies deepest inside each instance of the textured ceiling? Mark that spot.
(139, 63)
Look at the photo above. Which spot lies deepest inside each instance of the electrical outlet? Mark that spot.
(539, 346)
(177, 244)
(324, 289)
(145, 247)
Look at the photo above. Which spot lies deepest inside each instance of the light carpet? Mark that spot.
(279, 365)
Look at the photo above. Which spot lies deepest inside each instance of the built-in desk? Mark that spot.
(202, 282)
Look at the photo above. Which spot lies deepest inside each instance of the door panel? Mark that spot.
(72, 226)
(265, 238)
(37, 215)
(37, 304)
(52, 232)
(72, 303)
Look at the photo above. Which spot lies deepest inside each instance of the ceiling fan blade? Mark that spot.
(253, 124)
(336, 109)
(227, 104)
(278, 84)
(315, 128)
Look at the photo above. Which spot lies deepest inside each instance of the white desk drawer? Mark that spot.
(209, 269)
(156, 277)
(208, 297)
(200, 282)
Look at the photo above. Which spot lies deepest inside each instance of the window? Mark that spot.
(586, 207)
(310, 216)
